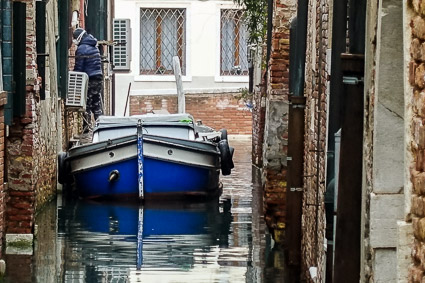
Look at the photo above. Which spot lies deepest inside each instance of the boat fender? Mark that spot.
(226, 157)
(232, 151)
(114, 175)
(62, 168)
(223, 134)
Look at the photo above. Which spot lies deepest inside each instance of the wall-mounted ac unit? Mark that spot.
(77, 89)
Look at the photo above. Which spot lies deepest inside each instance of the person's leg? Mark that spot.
(97, 94)
(89, 107)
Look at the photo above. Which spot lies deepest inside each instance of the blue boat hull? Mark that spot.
(171, 167)
(160, 178)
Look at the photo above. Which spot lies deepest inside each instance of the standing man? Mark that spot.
(87, 60)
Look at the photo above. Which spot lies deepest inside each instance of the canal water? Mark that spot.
(219, 241)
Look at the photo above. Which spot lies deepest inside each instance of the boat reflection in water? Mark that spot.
(156, 242)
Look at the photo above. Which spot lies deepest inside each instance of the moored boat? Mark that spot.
(149, 156)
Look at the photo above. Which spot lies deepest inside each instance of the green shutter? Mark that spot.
(7, 60)
(40, 21)
(19, 57)
(96, 19)
(63, 47)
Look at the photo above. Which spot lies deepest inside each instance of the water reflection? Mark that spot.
(224, 240)
(102, 239)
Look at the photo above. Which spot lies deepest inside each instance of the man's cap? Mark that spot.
(78, 32)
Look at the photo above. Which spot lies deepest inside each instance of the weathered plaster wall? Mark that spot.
(316, 88)
(275, 146)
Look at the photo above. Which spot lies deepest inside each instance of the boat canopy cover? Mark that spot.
(146, 118)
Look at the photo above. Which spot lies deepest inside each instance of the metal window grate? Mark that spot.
(162, 36)
(121, 51)
(234, 43)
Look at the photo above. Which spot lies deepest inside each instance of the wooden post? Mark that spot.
(348, 221)
(180, 93)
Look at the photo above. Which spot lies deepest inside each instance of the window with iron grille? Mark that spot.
(234, 43)
(162, 36)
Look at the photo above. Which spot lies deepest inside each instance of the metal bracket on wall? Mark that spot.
(299, 189)
(352, 80)
(293, 105)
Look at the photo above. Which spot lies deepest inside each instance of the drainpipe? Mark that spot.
(111, 24)
(298, 37)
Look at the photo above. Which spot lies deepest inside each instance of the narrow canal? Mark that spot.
(225, 240)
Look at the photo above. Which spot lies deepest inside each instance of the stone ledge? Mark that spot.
(19, 244)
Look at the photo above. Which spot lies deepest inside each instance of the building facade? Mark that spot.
(211, 43)
(360, 195)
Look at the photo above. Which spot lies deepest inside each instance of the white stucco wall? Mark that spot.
(202, 52)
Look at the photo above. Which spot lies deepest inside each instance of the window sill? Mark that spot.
(231, 79)
(165, 78)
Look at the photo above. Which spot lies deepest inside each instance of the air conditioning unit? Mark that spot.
(77, 89)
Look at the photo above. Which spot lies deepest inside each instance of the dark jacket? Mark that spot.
(87, 57)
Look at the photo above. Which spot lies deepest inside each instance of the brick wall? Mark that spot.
(417, 139)
(32, 142)
(276, 120)
(316, 85)
(215, 110)
(3, 98)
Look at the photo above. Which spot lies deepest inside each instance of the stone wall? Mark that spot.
(315, 134)
(215, 110)
(383, 192)
(416, 136)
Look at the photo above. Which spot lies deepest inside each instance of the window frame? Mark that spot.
(182, 46)
(219, 77)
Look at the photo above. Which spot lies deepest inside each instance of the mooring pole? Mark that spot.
(181, 101)
(140, 158)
